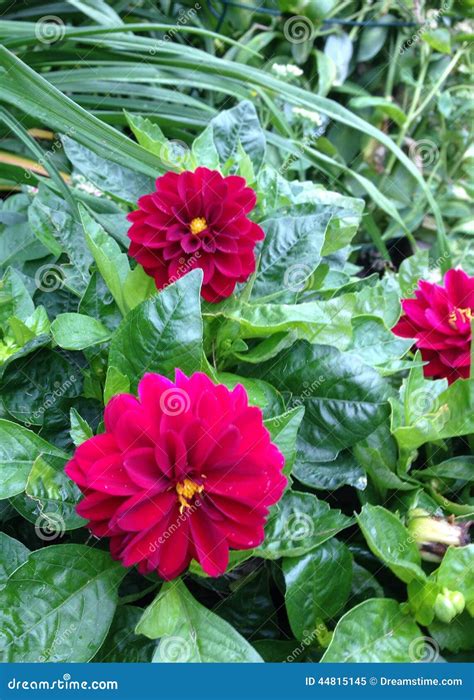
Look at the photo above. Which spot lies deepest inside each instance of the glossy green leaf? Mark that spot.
(391, 542)
(58, 605)
(283, 431)
(19, 448)
(162, 333)
(189, 632)
(374, 631)
(122, 645)
(12, 555)
(50, 498)
(311, 594)
(344, 399)
(239, 125)
(77, 332)
(298, 523)
(290, 253)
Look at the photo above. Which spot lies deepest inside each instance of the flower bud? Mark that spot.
(434, 534)
(444, 608)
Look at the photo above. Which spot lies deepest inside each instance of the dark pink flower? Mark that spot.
(186, 470)
(439, 319)
(197, 220)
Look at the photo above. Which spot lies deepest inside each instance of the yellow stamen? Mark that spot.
(466, 315)
(198, 225)
(186, 490)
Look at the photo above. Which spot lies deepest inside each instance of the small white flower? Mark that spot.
(82, 184)
(285, 71)
(314, 117)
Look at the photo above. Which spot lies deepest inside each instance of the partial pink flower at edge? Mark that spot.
(439, 321)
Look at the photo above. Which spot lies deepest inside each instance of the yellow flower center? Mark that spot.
(186, 490)
(466, 315)
(198, 225)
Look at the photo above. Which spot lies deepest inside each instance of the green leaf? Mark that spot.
(378, 455)
(435, 415)
(391, 109)
(317, 321)
(98, 302)
(12, 555)
(77, 332)
(290, 253)
(456, 572)
(38, 390)
(344, 400)
(189, 632)
(239, 125)
(456, 636)
(138, 287)
(374, 631)
(439, 39)
(311, 595)
(391, 542)
(19, 448)
(24, 88)
(298, 523)
(58, 605)
(412, 270)
(80, 428)
(147, 133)
(364, 585)
(115, 383)
(375, 344)
(461, 467)
(372, 39)
(125, 184)
(122, 645)
(50, 498)
(14, 298)
(56, 227)
(331, 475)
(204, 150)
(380, 300)
(111, 262)
(162, 333)
(283, 431)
